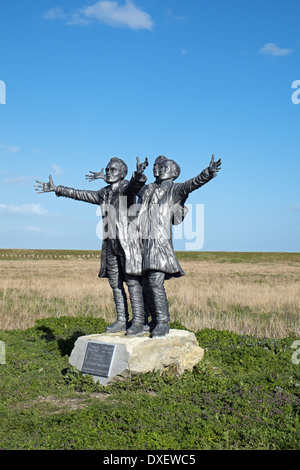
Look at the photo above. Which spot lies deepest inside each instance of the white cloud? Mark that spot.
(107, 12)
(171, 16)
(23, 209)
(56, 169)
(77, 17)
(54, 13)
(295, 208)
(32, 228)
(271, 49)
(115, 15)
(8, 148)
(19, 179)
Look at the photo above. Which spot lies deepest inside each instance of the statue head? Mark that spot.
(157, 162)
(116, 170)
(169, 170)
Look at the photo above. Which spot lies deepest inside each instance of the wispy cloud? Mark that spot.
(173, 17)
(23, 209)
(107, 12)
(295, 208)
(55, 13)
(32, 229)
(19, 179)
(8, 148)
(56, 169)
(270, 49)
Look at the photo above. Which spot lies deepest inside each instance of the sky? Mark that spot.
(84, 81)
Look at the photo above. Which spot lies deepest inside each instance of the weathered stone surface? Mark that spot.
(141, 354)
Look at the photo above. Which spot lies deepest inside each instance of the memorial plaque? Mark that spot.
(98, 358)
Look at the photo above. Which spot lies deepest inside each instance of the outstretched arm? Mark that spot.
(80, 195)
(137, 181)
(141, 167)
(96, 175)
(214, 167)
(194, 183)
(45, 187)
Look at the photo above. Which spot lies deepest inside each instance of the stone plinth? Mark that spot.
(140, 354)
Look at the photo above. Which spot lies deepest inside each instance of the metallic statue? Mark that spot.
(137, 245)
(118, 254)
(159, 202)
(178, 216)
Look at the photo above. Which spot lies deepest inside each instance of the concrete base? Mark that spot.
(141, 354)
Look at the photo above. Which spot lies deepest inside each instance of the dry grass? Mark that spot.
(257, 299)
(260, 299)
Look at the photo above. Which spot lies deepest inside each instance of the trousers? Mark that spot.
(155, 296)
(115, 266)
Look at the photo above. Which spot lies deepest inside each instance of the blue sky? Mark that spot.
(89, 80)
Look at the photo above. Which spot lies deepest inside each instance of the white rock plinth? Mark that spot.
(140, 354)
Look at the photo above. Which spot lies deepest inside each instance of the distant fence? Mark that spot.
(12, 255)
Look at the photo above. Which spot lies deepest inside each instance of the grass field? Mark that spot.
(243, 395)
(247, 293)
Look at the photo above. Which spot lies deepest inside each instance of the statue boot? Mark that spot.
(159, 309)
(149, 305)
(120, 300)
(161, 329)
(137, 305)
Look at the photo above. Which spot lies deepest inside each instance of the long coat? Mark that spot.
(114, 207)
(159, 204)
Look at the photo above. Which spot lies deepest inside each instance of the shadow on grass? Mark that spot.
(65, 345)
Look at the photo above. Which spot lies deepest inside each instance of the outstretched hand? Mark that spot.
(45, 187)
(140, 167)
(214, 167)
(96, 175)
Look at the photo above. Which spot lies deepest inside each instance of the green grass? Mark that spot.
(217, 256)
(244, 394)
(18, 254)
(238, 257)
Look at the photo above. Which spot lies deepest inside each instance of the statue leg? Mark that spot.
(135, 290)
(156, 285)
(116, 281)
(149, 304)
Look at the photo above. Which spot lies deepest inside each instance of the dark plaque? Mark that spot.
(98, 358)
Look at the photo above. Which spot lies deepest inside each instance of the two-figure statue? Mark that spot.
(137, 247)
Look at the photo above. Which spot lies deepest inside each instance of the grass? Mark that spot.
(244, 394)
(258, 295)
(218, 256)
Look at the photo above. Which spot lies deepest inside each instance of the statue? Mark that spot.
(158, 204)
(178, 215)
(118, 257)
(137, 247)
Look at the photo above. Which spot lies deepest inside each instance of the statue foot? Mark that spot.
(135, 329)
(161, 329)
(116, 327)
(152, 324)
